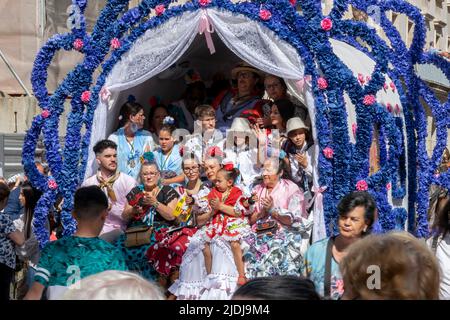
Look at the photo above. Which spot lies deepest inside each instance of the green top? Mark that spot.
(70, 259)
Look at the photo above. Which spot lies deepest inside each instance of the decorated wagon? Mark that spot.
(362, 93)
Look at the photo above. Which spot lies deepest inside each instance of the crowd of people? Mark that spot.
(211, 197)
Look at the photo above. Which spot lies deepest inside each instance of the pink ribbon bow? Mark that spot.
(301, 83)
(206, 27)
(318, 197)
(105, 94)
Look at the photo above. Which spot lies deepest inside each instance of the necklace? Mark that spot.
(131, 162)
(163, 166)
(225, 195)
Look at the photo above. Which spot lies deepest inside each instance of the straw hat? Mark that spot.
(294, 124)
(244, 66)
(241, 125)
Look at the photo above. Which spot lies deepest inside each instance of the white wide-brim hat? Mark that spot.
(243, 66)
(295, 123)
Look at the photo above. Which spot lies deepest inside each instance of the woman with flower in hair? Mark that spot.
(167, 156)
(280, 225)
(191, 211)
(132, 141)
(158, 112)
(189, 286)
(153, 206)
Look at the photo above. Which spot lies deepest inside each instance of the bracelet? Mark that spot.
(156, 205)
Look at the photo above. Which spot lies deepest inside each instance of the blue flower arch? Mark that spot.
(302, 30)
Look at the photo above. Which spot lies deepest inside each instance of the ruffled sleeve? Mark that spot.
(201, 204)
(296, 210)
(167, 194)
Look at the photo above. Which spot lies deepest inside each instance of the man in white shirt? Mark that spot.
(116, 186)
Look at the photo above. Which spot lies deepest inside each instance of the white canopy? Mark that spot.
(148, 68)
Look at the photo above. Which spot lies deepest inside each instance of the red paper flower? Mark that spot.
(369, 100)
(159, 9)
(328, 153)
(86, 96)
(182, 151)
(204, 2)
(52, 184)
(78, 44)
(293, 2)
(326, 24)
(361, 185)
(115, 43)
(45, 114)
(322, 83)
(265, 14)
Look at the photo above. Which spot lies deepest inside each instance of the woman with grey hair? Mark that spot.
(153, 207)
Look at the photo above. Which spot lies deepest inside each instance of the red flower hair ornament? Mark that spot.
(228, 167)
(214, 152)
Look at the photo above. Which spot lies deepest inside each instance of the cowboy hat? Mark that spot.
(241, 125)
(244, 66)
(294, 124)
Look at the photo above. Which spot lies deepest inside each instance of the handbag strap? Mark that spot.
(434, 244)
(327, 275)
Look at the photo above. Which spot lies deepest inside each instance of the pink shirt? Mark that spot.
(121, 187)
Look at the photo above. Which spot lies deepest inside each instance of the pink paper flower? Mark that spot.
(86, 96)
(204, 2)
(361, 78)
(115, 43)
(45, 114)
(322, 83)
(389, 107)
(385, 86)
(368, 78)
(265, 14)
(354, 128)
(369, 100)
(388, 186)
(159, 9)
(328, 153)
(78, 44)
(392, 85)
(326, 24)
(361, 185)
(340, 286)
(52, 184)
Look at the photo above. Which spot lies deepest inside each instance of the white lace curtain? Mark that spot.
(159, 48)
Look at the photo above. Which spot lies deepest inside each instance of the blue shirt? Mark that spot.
(315, 269)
